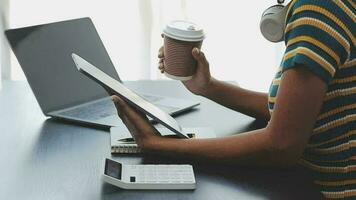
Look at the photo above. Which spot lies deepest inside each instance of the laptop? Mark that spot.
(44, 53)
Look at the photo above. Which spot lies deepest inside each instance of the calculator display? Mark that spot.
(113, 169)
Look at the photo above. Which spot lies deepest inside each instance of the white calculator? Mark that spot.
(149, 177)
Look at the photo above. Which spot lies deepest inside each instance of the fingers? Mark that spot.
(161, 65)
(122, 108)
(127, 112)
(161, 52)
(161, 60)
(119, 104)
(199, 56)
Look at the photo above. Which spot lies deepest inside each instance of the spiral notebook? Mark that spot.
(123, 143)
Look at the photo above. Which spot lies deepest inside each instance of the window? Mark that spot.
(130, 30)
(4, 51)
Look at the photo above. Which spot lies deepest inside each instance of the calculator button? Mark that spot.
(132, 179)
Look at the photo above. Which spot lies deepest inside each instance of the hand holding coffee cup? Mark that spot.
(200, 81)
(180, 38)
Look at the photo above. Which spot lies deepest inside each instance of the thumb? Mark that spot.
(199, 55)
(119, 104)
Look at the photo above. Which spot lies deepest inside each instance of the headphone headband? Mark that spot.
(280, 1)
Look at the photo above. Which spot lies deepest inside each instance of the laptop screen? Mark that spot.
(44, 53)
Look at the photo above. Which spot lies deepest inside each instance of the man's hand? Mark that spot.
(201, 80)
(137, 123)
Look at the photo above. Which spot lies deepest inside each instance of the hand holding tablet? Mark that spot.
(115, 87)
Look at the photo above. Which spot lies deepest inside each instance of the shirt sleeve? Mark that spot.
(315, 39)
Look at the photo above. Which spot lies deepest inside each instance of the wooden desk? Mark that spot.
(48, 159)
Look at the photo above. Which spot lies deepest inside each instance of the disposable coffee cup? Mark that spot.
(180, 37)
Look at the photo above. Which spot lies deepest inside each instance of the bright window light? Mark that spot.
(130, 30)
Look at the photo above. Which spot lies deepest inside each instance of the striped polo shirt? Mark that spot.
(320, 36)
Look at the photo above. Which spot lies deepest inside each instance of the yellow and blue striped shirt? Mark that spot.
(320, 36)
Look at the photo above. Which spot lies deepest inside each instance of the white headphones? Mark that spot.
(273, 22)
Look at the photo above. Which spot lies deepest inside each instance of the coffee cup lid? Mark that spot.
(184, 31)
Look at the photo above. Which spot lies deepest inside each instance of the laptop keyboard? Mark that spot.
(94, 111)
(151, 98)
(167, 109)
(105, 108)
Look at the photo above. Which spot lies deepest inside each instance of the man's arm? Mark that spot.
(248, 102)
(281, 143)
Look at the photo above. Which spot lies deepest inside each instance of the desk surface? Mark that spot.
(48, 159)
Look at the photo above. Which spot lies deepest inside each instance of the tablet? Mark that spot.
(115, 87)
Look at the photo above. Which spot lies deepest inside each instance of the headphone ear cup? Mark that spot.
(273, 23)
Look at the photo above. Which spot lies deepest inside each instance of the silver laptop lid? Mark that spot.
(129, 96)
(44, 53)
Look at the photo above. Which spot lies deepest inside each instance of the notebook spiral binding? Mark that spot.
(126, 148)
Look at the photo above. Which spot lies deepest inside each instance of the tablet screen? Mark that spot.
(129, 96)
